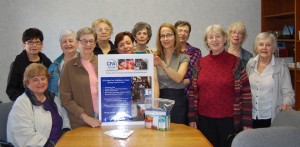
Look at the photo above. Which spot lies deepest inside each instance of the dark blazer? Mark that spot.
(113, 49)
(17, 68)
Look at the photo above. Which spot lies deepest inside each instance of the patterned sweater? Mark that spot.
(195, 55)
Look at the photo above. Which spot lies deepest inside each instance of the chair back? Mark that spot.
(4, 111)
(289, 117)
(265, 137)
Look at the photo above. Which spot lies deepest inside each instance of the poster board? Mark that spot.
(125, 81)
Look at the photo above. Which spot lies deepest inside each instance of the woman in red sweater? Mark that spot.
(224, 97)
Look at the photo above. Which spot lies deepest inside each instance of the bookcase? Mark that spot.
(275, 15)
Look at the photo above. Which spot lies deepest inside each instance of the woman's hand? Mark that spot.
(93, 122)
(284, 107)
(193, 125)
(246, 128)
(157, 60)
(186, 82)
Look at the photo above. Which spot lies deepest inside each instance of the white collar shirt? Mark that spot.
(262, 85)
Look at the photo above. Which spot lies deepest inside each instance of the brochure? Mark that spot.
(122, 134)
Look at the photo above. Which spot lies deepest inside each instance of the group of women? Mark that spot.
(220, 94)
(236, 92)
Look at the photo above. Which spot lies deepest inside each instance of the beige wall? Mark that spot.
(53, 16)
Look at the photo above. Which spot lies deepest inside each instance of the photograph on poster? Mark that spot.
(141, 64)
(140, 90)
(125, 64)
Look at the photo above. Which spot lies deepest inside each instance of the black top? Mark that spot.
(17, 68)
(113, 49)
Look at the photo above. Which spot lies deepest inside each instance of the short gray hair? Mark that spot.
(265, 35)
(84, 31)
(139, 26)
(67, 32)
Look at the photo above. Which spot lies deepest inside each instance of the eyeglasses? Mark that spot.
(238, 33)
(31, 42)
(183, 31)
(103, 30)
(85, 42)
(167, 36)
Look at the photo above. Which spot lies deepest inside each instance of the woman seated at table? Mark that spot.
(79, 83)
(37, 117)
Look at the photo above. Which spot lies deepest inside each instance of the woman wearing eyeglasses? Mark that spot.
(103, 29)
(184, 29)
(32, 45)
(79, 83)
(171, 69)
(236, 37)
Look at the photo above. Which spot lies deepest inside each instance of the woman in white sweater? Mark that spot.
(37, 117)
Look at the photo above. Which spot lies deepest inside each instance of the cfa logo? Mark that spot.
(111, 64)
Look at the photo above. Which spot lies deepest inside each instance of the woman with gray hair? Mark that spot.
(142, 33)
(79, 83)
(270, 82)
(68, 45)
(103, 29)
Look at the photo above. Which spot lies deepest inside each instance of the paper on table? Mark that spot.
(123, 134)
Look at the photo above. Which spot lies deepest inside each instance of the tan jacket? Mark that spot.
(75, 92)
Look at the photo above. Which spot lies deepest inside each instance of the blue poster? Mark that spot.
(116, 99)
(125, 83)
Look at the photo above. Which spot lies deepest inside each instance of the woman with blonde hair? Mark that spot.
(37, 117)
(237, 35)
(224, 97)
(171, 68)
